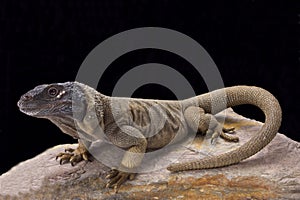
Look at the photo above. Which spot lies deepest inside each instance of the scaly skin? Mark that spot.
(139, 125)
(239, 95)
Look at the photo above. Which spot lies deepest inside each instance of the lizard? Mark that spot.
(85, 114)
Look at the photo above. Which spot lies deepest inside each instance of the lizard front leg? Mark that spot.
(74, 156)
(135, 143)
(203, 122)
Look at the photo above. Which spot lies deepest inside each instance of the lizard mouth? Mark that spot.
(32, 109)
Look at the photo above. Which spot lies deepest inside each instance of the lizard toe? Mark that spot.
(72, 156)
(75, 159)
(117, 178)
(229, 130)
(229, 138)
(64, 157)
(223, 133)
(215, 135)
(112, 173)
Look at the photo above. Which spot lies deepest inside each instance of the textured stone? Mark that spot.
(273, 173)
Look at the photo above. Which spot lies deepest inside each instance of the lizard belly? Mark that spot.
(168, 135)
(161, 123)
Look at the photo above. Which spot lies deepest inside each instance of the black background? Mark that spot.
(252, 43)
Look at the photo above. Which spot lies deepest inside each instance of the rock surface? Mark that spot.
(273, 173)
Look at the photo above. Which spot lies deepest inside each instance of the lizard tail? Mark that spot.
(237, 95)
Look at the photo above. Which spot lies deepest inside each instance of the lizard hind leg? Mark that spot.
(206, 123)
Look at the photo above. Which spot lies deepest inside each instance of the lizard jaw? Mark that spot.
(30, 110)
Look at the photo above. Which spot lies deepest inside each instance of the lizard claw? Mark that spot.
(117, 178)
(64, 157)
(72, 156)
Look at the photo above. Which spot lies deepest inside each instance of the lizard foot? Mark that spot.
(229, 138)
(73, 156)
(117, 178)
(223, 133)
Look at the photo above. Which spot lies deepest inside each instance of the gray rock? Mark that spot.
(273, 173)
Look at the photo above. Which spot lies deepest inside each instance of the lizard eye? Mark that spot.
(52, 91)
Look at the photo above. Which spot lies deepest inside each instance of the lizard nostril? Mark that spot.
(26, 97)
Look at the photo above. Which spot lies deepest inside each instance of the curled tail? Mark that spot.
(232, 96)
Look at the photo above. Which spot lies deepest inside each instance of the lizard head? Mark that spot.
(53, 100)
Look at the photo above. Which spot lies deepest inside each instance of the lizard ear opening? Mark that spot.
(79, 110)
(79, 103)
